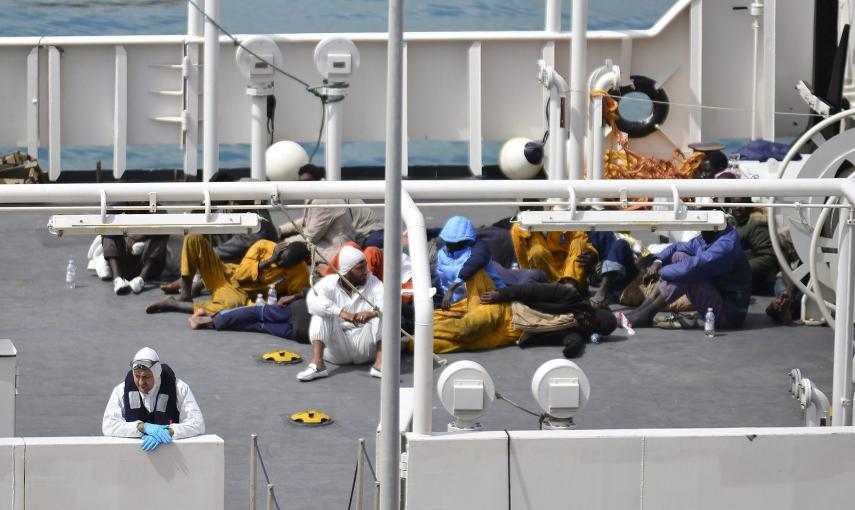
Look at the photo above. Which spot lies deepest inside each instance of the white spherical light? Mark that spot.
(284, 159)
(520, 158)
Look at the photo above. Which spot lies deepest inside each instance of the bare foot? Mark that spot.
(200, 321)
(166, 304)
(171, 288)
(200, 312)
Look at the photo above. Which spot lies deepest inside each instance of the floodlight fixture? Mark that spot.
(678, 218)
(154, 224)
(465, 390)
(561, 389)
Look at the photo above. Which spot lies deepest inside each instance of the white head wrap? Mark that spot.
(348, 258)
(149, 353)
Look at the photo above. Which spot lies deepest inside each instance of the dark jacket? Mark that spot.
(554, 298)
(755, 241)
(234, 248)
(723, 262)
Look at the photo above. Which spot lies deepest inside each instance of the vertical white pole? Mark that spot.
(258, 137)
(269, 497)
(553, 16)
(696, 53)
(578, 88)
(769, 70)
(211, 157)
(475, 133)
(191, 91)
(755, 26)
(597, 139)
(332, 150)
(557, 135)
(390, 437)
(841, 402)
(33, 103)
(120, 114)
(54, 114)
(253, 470)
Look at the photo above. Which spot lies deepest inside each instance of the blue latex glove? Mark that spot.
(160, 432)
(149, 443)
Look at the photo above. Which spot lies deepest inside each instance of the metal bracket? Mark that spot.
(677, 202)
(624, 200)
(274, 195)
(103, 195)
(152, 202)
(573, 201)
(845, 402)
(207, 203)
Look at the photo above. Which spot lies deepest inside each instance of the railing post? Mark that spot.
(211, 155)
(841, 403)
(360, 474)
(253, 470)
(269, 496)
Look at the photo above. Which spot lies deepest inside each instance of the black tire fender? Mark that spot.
(647, 86)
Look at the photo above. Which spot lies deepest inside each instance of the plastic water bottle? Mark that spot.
(514, 266)
(71, 274)
(709, 323)
(271, 295)
(259, 299)
(595, 338)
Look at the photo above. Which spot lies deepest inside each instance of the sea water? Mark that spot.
(158, 17)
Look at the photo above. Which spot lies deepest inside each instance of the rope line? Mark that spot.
(264, 470)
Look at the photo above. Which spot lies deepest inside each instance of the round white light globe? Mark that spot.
(284, 159)
(513, 162)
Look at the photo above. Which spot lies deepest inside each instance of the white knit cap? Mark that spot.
(348, 258)
(150, 354)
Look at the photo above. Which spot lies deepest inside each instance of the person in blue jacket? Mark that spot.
(711, 269)
(461, 256)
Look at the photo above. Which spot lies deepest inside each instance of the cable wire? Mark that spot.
(264, 470)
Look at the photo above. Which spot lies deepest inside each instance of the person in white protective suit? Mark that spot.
(345, 328)
(152, 404)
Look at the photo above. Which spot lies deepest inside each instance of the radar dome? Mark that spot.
(284, 160)
(520, 158)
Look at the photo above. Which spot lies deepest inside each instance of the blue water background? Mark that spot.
(116, 17)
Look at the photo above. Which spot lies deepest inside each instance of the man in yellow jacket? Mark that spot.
(233, 285)
(558, 254)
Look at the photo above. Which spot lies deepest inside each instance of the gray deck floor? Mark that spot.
(74, 346)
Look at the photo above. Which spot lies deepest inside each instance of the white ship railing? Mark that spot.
(121, 91)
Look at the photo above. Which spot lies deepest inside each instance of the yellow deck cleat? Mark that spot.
(311, 417)
(282, 357)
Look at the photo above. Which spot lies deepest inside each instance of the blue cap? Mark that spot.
(457, 229)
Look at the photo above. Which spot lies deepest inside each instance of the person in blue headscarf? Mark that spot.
(462, 255)
(464, 272)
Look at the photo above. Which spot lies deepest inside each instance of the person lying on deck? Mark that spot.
(553, 313)
(288, 318)
(464, 272)
(234, 285)
(711, 269)
(345, 328)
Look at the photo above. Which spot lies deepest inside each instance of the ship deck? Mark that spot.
(74, 346)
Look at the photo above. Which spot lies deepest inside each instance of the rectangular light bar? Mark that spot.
(544, 221)
(120, 224)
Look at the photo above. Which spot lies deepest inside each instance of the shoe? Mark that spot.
(121, 286)
(102, 269)
(137, 284)
(676, 320)
(625, 323)
(375, 373)
(311, 373)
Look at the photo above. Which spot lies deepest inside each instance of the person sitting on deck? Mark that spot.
(557, 254)
(345, 328)
(325, 228)
(711, 269)
(152, 403)
(288, 318)
(463, 322)
(617, 266)
(134, 260)
(234, 285)
(368, 227)
(754, 237)
(554, 313)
